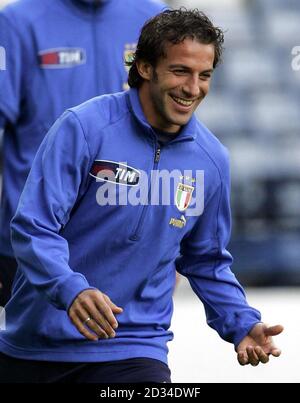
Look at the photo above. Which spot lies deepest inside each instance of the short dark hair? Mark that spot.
(173, 26)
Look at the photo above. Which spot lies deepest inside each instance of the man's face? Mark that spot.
(173, 90)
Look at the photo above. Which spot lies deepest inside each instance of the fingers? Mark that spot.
(248, 356)
(262, 356)
(98, 319)
(79, 317)
(242, 358)
(92, 324)
(252, 356)
(273, 330)
(82, 329)
(106, 310)
(114, 307)
(276, 352)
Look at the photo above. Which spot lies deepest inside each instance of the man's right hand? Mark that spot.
(92, 313)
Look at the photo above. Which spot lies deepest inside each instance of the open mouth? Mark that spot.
(182, 102)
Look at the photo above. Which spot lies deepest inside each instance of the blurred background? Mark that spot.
(254, 109)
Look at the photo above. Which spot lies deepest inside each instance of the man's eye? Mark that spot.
(205, 76)
(179, 72)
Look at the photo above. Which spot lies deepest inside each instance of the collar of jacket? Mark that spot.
(187, 133)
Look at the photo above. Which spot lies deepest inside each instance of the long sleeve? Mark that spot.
(11, 78)
(51, 190)
(206, 263)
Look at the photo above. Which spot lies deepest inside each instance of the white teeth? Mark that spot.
(182, 101)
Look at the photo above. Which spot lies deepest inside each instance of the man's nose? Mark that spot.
(192, 87)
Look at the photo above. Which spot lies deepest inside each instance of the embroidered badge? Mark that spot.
(183, 196)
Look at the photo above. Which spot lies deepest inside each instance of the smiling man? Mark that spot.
(92, 300)
(174, 88)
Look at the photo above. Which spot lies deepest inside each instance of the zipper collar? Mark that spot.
(187, 132)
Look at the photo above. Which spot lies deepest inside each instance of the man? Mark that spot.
(59, 53)
(98, 244)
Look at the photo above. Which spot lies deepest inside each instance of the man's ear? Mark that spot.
(145, 69)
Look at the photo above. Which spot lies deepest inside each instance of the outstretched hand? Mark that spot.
(258, 345)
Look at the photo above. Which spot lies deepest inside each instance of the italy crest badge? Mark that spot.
(183, 196)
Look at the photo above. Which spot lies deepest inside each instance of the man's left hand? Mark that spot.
(258, 345)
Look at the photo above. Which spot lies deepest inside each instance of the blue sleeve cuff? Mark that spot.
(69, 290)
(244, 322)
(234, 327)
(241, 333)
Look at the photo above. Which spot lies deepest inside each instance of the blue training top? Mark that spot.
(74, 230)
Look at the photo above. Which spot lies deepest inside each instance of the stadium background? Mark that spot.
(253, 108)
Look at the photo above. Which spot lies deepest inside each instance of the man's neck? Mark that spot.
(150, 112)
(164, 138)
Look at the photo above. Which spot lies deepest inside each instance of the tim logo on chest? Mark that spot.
(115, 172)
(61, 58)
